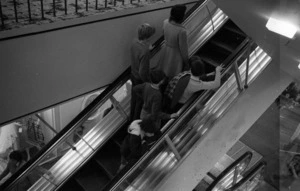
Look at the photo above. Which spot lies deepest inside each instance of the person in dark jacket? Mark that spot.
(151, 97)
(132, 146)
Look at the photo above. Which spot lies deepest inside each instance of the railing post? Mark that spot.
(53, 130)
(86, 5)
(54, 12)
(76, 6)
(211, 18)
(42, 9)
(96, 7)
(105, 4)
(172, 147)
(1, 15)
(29, 10)
(15, 9)
(237, 76)
(118, 107)
(247, 66)
(66, 8)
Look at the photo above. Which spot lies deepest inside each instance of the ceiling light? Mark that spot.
(299, 66)
(281, 27)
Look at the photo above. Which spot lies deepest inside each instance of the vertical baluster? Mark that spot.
(76, 6)
(123, 2)
(96, 5)
(130, 1)
(115, 2)
(15, 9)
(54, 12)
(42, 9)
(105, 3)
(66, 9)
(1, 15)
(86, 5)
(29, 10)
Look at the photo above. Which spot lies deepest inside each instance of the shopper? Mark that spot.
(174, 55)
(140, 54)
(185, 84)
(132, 146)
(151, 97)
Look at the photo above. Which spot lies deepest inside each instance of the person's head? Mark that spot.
(145, 31)
(16, 157)
(177, 13)
(197, 67)
(147, 125)
(157, 76)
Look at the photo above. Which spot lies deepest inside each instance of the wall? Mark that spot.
(47, 68)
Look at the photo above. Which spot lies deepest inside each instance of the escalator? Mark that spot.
(92, 162)
(237, 176)
(102, 168)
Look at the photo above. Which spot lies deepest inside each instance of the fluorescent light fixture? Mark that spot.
(299, 66)
(281, 27)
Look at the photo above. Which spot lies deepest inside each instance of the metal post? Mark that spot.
(237, 76)
(15, 9)
(211, 20)
(54, 14)
(105, 3)
(86, 5)
(172, 147)
(96, 5)
(1, 15)
(42, 9)
(76, 6)
(29, 10)
(118, 107)
(66, 8)
(247, 67)
(235, 175)
(53, 130)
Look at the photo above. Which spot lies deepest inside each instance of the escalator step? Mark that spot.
(230, 26)
(91, 177)
(109, 158)
(71, 185)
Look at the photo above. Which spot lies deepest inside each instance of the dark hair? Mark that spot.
(147, 125)
(177, 13)
(197, 68)
(16, 155)
(157, 76)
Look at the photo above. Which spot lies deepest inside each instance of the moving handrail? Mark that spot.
(236, 169)
(253, 175)
(83, 116)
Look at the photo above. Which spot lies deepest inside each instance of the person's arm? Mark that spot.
(156, 109)
(144, 66)
(183, 46)
(213, 84)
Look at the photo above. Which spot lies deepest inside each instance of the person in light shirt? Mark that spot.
(197, 82)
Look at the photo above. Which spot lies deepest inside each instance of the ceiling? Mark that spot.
(252, 15)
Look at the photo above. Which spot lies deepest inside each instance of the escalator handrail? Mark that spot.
(84, 114)
(183, 112)
(246, 156)
(249, 174)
